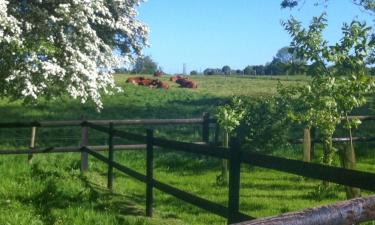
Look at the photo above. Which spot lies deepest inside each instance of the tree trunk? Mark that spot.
(327, 154)
(348, 161)
(224, 165)
(223, 177)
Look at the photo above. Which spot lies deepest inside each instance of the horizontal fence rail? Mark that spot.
(103, 122)
(342, 176)
(344, 213)
(185, 196)
(234, 155)
(336, 140)
(69, 149)
(337, 175)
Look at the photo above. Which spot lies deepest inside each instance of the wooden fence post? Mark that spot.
(217, 134)
(206, 127)
(110, 157)
(234, 182)
(149, 172)
(32, 144)
(306, 145)
(84, 142)
(313, 137)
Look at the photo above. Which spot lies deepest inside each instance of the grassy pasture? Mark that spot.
(51, 191)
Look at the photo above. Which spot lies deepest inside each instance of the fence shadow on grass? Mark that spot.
(53, 197)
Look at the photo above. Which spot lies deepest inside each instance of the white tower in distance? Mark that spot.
(184, 69)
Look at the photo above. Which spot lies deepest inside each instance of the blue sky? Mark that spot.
(213, 33)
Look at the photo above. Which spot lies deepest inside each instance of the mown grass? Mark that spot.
(52, 191)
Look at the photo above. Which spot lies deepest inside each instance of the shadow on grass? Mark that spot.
(54, 196)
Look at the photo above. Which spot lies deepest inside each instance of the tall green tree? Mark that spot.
(333, 92)
(226, 70)
(145, 65)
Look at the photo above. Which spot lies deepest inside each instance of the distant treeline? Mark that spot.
(285, 62)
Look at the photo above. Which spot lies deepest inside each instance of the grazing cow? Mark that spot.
(185, 83)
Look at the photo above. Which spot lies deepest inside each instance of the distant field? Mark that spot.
(51, 191)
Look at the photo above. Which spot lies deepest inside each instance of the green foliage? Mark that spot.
(70, 198)
(333, 92)
(249, 70)
(264, 126)
(365, 4)
(226, 70)
(145, 65)
(193, 72)
(230, 115)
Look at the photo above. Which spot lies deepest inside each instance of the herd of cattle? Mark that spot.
(184, 82)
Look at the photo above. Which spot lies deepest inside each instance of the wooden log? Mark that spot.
(306, 145)
(84, 142)
(149, 172)
(32, 144)
(344, 213)
(110, 157)
(234, 182)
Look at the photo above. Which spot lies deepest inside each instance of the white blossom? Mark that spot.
(50, 48)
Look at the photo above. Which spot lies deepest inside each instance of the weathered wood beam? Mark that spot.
(344, 213)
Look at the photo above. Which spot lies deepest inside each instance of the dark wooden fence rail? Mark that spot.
(342, 176)
(236, 157)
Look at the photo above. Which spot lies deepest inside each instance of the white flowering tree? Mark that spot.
(52, 47)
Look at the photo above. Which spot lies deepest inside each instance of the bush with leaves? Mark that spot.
(264, 126)
(230, 115)
(333, 92)
(260, 124)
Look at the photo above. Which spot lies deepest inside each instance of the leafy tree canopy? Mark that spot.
(365, 4)
(145, 65)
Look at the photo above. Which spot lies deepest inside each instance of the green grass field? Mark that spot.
(51, 190)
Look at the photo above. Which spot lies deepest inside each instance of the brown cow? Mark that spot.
(185, 83)
(175, 78)
(135, 80)
(159, 84)
(139, 81)
(147, 82)
(164, 85)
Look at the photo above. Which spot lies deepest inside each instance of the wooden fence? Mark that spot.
(234, 155)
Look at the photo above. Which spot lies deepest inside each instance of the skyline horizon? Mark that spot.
(191, 33)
